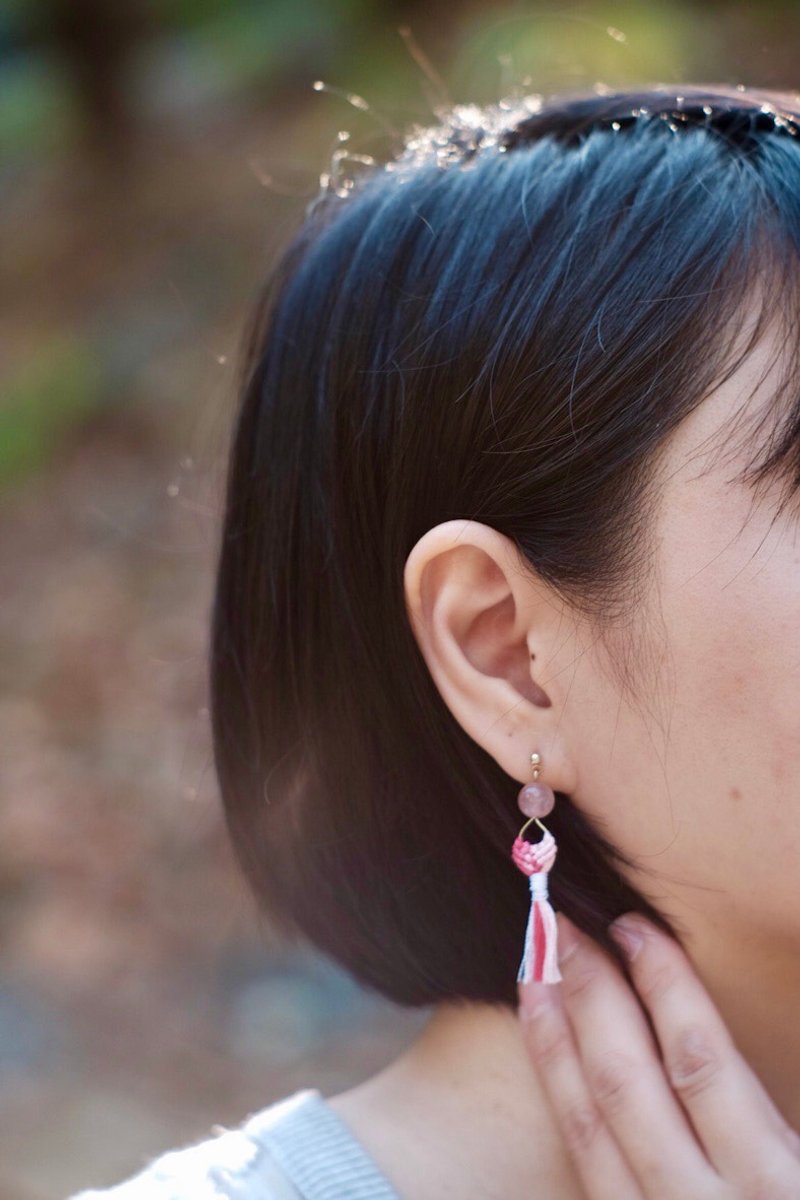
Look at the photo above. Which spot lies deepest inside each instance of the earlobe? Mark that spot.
(474, 614)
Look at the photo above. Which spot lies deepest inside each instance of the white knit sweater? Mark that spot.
(296, 1148)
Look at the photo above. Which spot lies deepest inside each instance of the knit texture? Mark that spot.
(296, 1148)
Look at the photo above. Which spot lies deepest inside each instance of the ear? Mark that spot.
(496, 641)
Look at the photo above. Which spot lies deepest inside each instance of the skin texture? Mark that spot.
(696, 776)
(612, 1083)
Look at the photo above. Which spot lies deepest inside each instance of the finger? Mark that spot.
(741, 1130)
(600, 1165)
(624, 1071)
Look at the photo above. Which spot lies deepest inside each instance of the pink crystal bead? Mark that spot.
(536, 799)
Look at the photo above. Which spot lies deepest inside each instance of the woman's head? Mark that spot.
(515, 468)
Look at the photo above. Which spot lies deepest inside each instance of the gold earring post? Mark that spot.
(536, 760)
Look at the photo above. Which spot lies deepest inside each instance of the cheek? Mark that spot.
(735, 740)
(699, 781)
(737, 671)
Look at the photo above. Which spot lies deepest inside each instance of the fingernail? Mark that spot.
(627, 934)
(569, 938)
(533, 997)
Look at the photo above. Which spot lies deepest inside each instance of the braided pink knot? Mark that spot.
(540, 954)
(532, 857)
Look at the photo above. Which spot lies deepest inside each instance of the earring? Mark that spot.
(540, 957)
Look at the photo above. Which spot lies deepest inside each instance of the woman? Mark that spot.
(516, 471)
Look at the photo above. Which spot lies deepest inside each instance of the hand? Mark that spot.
(683, 1118)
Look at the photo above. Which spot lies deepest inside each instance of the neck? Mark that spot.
(461, 1112)
(754, 981)
(462, 1108)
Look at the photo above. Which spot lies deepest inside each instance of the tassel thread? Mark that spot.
(540, 954)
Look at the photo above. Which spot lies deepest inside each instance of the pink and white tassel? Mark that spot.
(540, 955)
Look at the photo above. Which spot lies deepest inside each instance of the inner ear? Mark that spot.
(490, 649)
(543, 699)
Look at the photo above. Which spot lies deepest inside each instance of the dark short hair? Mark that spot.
(504, 321)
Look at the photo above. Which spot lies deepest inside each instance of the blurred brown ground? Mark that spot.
(140, 1000)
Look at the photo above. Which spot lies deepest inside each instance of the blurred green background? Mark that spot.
(153, 157)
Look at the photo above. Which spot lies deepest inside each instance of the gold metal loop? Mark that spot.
(527, 823)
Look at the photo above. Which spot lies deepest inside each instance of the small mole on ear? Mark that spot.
(533, 656)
